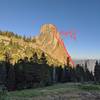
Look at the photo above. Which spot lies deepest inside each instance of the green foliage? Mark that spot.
(68, 90)
(89, 87)
(3, 95)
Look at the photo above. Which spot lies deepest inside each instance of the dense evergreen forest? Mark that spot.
(33, 72)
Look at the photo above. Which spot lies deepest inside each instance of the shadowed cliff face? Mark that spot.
(50, 42)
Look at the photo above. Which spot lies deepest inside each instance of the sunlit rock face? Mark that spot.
(47, 37)
(49, 40)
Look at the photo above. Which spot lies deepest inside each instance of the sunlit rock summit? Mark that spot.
(50, 42)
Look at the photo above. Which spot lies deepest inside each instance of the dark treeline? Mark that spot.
(35, 72)
(12, 34)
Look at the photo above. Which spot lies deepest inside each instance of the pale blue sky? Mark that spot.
(81, 16)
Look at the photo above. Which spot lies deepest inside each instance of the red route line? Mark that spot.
(62, 43)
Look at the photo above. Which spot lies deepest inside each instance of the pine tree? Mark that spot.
(97, 72)
(88, 75)
(68, 62)
(10, 74)
(34, 62)
(19, 74)
(79, 73)
(59, 73)
(7, 63)
(44, 70)
(43, 59)
(34, 58)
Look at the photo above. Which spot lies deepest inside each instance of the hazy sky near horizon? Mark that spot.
(25, 17)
